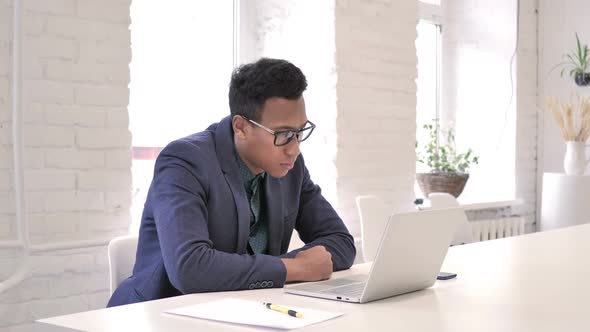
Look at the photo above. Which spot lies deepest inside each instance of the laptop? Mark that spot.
(409, 257)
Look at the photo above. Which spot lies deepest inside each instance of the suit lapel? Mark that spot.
(226, 154)
(274, 214)
(243, 210)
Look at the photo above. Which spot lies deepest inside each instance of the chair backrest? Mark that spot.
(445, 200)
(373, 213)
(442, 200)
(121, 253)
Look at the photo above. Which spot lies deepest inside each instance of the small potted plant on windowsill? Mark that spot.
(577, 64)
(448, 168)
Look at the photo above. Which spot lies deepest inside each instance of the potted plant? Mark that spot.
(577, 64)
(448, 168)
(573, 119)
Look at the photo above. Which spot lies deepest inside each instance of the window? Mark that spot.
(478, 100)
(428, 51)
(428, 80)
(183, 55)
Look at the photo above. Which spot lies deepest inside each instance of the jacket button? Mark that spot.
(257, 285)
(251, 286)
(264, 284)
(270, 283)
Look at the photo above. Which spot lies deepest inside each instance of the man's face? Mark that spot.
(258, 150)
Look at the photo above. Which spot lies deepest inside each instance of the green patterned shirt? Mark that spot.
(258, 241)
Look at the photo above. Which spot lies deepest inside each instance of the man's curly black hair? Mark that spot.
(252, 84)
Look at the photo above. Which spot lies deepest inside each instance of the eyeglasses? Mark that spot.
(284, 137)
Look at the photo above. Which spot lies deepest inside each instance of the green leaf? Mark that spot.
(440, 154)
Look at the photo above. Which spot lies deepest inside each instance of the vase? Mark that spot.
(575, 161)
(582, 79)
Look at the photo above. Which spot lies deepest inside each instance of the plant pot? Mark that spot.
(575, 161)
(582, 79)
(452, 183)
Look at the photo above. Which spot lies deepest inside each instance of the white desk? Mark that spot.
(536, 282)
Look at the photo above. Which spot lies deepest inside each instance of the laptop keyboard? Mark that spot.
(355, 289)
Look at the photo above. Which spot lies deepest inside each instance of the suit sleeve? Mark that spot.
(179, 197)
(319, 224)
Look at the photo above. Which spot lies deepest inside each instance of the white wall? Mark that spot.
(76, 153)
(6, 191)
(376, 101)
(558, 23)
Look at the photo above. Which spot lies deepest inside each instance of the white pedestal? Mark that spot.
(566, 200)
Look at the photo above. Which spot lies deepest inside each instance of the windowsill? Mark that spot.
(490, 204)
(470, 205)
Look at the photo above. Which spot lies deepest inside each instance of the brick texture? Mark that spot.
(376, 98)
(77, 153)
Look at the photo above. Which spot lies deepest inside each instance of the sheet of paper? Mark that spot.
(253, 313)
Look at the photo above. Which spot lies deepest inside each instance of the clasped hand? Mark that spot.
(309, 265)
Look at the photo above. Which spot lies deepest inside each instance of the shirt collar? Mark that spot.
(250, 180)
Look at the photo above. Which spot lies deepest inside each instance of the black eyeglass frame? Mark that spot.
(293, 133)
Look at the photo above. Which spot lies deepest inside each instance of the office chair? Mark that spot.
(373, 213)
(121, 253)
(445, 200)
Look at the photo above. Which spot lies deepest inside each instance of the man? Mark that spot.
(223, 203)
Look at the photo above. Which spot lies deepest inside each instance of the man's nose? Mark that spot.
(292, 148)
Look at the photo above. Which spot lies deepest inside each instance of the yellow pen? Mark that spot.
(284, 310)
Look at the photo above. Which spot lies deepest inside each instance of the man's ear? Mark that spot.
(238, 124)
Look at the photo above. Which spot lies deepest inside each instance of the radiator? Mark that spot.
(490, 229)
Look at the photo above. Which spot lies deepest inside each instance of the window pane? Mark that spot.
(181, 66)
(180, 73)
(427, 50)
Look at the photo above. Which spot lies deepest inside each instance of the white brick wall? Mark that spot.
(111, 138)
(77, 154)
(57, 7)
(68, 115)
(60, 282)
(7, 203)
(101, 95)
(376, 101)
(48, 136)
(71, 158)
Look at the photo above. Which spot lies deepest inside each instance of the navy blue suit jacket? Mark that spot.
(196, 223)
